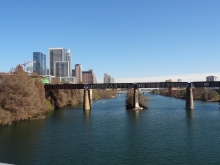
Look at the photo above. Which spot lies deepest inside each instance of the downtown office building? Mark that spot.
(88, 77)
(40, 63)
(211, 78)
(108, 79)
(77, 73)
(85, 77)
(60, 62)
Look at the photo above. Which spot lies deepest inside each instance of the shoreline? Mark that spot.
(185, 98)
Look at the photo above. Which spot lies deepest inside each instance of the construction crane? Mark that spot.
(25, 63)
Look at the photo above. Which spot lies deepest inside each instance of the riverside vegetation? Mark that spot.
(23, 97)
(204, 94)
(143, 100)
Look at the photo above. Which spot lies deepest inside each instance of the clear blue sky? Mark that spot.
(124, 38)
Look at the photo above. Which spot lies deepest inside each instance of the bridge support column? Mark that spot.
(86, 100)
(189, 98)
(135, 100)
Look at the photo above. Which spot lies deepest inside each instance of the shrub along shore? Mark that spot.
(204, 94)
(23, 97)
(142, 100)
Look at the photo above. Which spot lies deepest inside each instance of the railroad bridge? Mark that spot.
(135, 86)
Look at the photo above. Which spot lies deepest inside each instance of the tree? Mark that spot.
(20, 96)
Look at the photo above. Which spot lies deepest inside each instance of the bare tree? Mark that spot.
(143, 100)
(20, 96)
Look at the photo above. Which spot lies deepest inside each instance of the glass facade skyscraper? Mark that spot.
(40, 63)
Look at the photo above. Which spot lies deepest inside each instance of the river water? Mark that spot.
(165, 133)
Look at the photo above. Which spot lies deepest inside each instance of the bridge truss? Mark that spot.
(200, 84)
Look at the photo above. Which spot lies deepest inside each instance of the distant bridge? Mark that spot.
(199, 84)
(135, 86)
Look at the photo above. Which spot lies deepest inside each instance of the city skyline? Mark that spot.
(131, 40)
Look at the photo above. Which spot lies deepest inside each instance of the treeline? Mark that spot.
(100, 93)
(23, 97)
(205, 94)
(142, 100)
(66, 97)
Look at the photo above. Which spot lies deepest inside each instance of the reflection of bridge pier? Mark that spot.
(87, 113)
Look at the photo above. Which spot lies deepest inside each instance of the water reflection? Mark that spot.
(190, 131)
(190, 118)
(87, 115)
(190, 114)
(134, 117)
(20, 137)
(137, 113)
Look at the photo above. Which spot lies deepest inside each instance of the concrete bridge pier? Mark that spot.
(86, 100)
(135, 100)
(189, 98)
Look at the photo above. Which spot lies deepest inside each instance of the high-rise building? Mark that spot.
(68, 57)
(55, 54)
(78, 73)
(111, 80)
(40, 63)
(179, 80)
(48, 71)
(211, 78)
(105, 78)
(73, 73)
(61, 69)
(108, 78)
(60, 62)
(88, 77)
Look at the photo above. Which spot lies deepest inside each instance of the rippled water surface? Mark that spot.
(108, 134)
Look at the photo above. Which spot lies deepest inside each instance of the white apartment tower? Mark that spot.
(68, 57)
